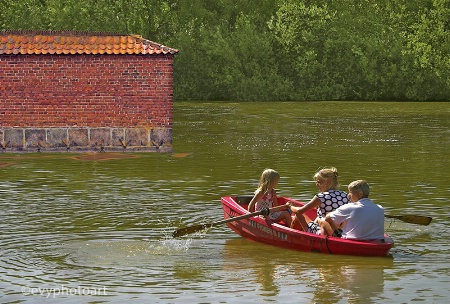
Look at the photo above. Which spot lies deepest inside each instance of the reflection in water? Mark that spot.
(263, 267)
(357, 283)
(103, 156)
(329, 278)
(265, 276)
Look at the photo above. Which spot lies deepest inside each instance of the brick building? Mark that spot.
(78, 91)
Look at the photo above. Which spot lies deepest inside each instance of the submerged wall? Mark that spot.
(74, 101)
(85, 102)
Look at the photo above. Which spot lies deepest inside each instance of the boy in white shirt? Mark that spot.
(361, 219)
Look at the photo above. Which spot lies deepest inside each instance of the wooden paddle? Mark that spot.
(195, 228)
(411, 218)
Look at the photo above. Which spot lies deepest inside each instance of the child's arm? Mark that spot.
(255, 199)
(313, 203)
(275, 199)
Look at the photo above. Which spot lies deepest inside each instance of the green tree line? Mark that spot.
(274, 49)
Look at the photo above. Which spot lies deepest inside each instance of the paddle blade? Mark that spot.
(190, 229)
(413, 219)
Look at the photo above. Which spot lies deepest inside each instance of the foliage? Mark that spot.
(274, 49)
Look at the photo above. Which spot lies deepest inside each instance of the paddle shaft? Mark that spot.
(241, 217)
(411, 218)
(192, 229)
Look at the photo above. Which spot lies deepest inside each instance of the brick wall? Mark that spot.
(83, 102)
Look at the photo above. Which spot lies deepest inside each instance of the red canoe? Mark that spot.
(265, 231)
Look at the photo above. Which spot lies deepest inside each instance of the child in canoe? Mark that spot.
(266, 197)
(363, 220)
(328, 199)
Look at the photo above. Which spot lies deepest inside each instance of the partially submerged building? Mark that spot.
(80, 91)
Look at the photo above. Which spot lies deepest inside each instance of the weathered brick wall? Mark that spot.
(85, 102)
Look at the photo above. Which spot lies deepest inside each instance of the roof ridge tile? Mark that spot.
(77, 42)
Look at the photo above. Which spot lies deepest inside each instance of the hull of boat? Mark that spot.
(263, 230)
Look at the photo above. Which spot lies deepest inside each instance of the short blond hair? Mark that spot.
(359, 186)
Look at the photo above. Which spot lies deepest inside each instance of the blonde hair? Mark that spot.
(328, 174)
(359, 186)
(268, 179)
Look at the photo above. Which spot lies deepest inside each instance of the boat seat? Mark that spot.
(244, 199)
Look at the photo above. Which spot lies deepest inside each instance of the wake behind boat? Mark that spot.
(263, 230)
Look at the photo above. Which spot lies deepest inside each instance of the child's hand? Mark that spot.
(288, 206)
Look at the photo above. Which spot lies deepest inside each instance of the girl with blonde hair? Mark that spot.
(328, 199)
(266, 197)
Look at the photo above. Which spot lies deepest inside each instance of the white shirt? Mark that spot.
(363, 220)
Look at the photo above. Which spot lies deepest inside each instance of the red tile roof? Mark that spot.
(68, 42)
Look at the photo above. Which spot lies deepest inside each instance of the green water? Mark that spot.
(97, 229)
